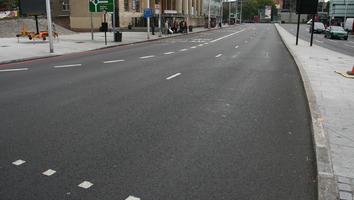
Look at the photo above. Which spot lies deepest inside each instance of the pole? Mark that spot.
(221, 11)
(91, 25)
(37, 27)
(105, 31)
(229, 12)
(241, 13)
(298, 28)
(187, 16)
(346, 10)
(209, 15)
(160, 33)
(148, 22)
(50, 26)
(312, 27)
(114, 19)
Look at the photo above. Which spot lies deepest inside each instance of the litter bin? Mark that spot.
(117, 36)
(190, 28)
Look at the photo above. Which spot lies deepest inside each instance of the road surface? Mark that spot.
(213, 115)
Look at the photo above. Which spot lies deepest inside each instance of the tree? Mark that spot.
(250, 7)
(8, 4)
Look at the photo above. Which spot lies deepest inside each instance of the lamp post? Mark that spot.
(346, 10)
(50, 26)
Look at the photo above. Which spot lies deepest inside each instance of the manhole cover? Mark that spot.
(80, 42)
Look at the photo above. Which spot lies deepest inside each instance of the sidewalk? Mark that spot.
(17, 50)
(331, 102)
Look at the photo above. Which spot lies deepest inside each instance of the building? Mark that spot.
(75, 14)
(340, 9)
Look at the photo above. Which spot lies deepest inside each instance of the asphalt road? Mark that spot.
(342, 46)
(213, 115)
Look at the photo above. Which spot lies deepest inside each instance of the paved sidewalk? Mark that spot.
(331, 101)
(16, 50)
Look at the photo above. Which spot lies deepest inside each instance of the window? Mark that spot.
(126, 5)
(137, 5)
(65, 5)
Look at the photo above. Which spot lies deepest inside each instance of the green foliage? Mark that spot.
(8, 4)
(250, 7)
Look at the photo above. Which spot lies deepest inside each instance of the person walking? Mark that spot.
(166, 27)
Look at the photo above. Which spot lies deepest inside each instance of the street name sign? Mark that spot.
(101, 5)
(147, 12)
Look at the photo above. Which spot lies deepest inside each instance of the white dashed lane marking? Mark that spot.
(168, 53)
(64, 66)
(226, 36)
(217, 56)
(173, 76)
(200, 45)
(146, 57)
(193, 47)
(49, 172)
(85, 184)
(18, 162)
(13, 70)
(349, 45)
(183, 50)
(236, 47)
(113, 61)
(132, 198)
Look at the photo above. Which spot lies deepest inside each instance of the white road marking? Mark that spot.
(18, 162)
(193, 47)
(319, 41)
(167, 53)
(349, 45)
(217, 56)
(49, 172)
(206, 43)
(113, 61)
(132, 198)
(236, 47)
(173, 76)
(85, 184)
(183, 50)
(146, 57)
(200, 45)
(227, 36)
(13, 70)
(63, 66)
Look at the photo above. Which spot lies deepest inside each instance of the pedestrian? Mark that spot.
(186, 27)
(152, 28)
(166, 27)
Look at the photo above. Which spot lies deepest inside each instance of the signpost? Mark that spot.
(99, 6)
(148, 14)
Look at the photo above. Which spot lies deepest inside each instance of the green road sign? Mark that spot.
(101, 5)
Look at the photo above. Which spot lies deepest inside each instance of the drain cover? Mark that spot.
(80, 42)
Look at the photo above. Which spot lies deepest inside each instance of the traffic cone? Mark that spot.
(351, 72)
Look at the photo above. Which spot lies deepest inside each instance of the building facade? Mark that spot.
(340, 9)
(76, 16)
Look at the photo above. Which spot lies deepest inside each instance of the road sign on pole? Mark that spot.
(100, 5)
(148, 12)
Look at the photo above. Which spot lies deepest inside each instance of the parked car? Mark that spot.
(318, 27)
(336, 32)
(349, 24)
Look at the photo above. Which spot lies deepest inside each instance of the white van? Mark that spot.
(348, 26)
